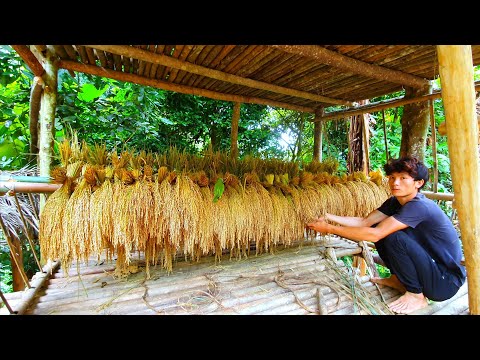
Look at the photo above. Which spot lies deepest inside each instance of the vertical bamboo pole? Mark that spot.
(366, 144)
(10, 310)
(433, 130)
(456, 74)
(385, 135)
(27, 232)
(234, 131)
(317, 136)
(47, 118)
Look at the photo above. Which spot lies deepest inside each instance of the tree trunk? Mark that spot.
(357, 159)
(415, 121)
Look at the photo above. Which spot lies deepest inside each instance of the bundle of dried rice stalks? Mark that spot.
(347, 282)
(164, 205)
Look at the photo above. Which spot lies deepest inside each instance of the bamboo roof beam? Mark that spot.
(164, 60)
(121, 76)
(30, 59)
(386, 104)
(355, 66)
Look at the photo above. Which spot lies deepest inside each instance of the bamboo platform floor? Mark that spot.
(283, 283)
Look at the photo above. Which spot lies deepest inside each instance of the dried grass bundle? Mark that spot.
(76, 225)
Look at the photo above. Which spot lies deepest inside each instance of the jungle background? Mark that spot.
(125, 115)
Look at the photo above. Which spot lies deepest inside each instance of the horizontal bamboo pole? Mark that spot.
(159, 84)
(37, 283)
(23, 178)
(21, 187)
(30, 59)
(381, 105)
(145, 55)
(438, 196)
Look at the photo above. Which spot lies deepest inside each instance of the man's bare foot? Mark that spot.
(391, 281)
(408, 302)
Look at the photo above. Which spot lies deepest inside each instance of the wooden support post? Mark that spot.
(433, 130)
(234, 131)
(317, 136)
(366, 143)
(47, 118)
(367, 256)
(13, 254)
(387, 155)
(456, 74)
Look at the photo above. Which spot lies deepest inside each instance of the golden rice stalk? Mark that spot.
(100, 174)
(306, 178)
(372, 201)
(59, 175)
(51, 226)
(378, 193)
(76, 150)
(286, 226)
(65, 152)
(259, 209)
(74, 170)
(98, 155)
(347, 201)
(140, 214)
(162, 174)
(376, 177)
(237, 242)
(76, 226)
(206, 224)
(313, 203)
(157, 228)
(148, 173)
(182, 213)
(119, 217)
(101, 217)
(90, 175)
(85, 152)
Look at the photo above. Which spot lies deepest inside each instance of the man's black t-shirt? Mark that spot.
(431, 228)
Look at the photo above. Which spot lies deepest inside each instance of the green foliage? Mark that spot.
(14, 107)
(218, 189)
(6, 279)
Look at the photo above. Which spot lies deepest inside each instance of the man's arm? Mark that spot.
(373, 218)
(360, 233)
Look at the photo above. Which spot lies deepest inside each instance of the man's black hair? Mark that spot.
(409, 164)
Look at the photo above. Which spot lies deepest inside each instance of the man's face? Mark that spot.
(402, 184)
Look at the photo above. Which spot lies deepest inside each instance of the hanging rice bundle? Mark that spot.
(76, 225)
(259, 207)
(234, 194)
(192, 205)
(347, 202)
(51, 224)
(101, 219)
(222, 221)
(286, 226)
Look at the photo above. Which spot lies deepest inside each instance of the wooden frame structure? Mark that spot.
(306, 78)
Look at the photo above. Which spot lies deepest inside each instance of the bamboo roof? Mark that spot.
(298, 77)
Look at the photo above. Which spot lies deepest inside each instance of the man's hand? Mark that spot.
(318, 225)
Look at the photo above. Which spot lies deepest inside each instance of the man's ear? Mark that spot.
(419, 183)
